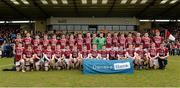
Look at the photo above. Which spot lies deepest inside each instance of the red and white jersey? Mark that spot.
(58, 53)
(153, 52)
(162, 51)
(53, 42)
(67, 54)
(71, 42)
(157, 40)
(87, 42)
(103, 53)
(45, 42)
(137, 41)
(122, 41)
(48, 53)
(130, 52)
(79, 41)
(115, 41)
(112, 54)
(36, 42)
(85, 53)
(28, 53)
(146, 41)
(129, 40)
(63, 43)
(19, 50)
(18, 40)
(27, 40)
(94, 53)
(38, 52)
(74, 53)
(178, 45)
(108, 42)
(121, 53)
(140, 52)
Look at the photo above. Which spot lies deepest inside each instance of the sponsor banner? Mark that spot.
(93, 66)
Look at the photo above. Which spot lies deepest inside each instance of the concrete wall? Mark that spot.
(40, 25)
(91, 21)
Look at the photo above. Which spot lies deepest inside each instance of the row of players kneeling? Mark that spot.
(46, 64)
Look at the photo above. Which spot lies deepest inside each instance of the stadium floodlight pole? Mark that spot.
(112, 6)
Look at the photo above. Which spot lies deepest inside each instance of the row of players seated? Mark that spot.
(46, 59)
(89, 41)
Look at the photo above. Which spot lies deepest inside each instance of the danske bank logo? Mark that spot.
(121, 66)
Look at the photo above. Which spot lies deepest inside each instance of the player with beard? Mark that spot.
(108, 42)
(94, 52)
(20, 63)
(152, 56)
(87, 41)
(163, 56)
(122, 40)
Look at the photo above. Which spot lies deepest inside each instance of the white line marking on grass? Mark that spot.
(5, 65)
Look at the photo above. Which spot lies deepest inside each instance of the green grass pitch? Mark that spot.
(75, 78)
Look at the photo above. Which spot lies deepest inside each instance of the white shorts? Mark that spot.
(0, 52)
(156, 63)
(67, 61)
(18, 63)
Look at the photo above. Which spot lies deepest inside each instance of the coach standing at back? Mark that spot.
(100, 41)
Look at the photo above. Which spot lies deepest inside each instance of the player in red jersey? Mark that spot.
(139, 56)
(68, 57)
(121, 53)
(27, 40)
(112, 54)
(20, 63)
(79, 42)
(163, 54)
(18, 39)
(71, 41)
(85, 53)
(129, 39)
(157, 39)
(137, 39)
(57, 56)
(63, 42)
(38, 60)
(87, 41)
(94, 52)
(28, 57)
(146, 41)
(45, 41)
(104, 54)
(122, 40)
(75, 57)
(36, 42)
(47, 55)
(53, 42)
(115, 40)
(130, 52)
(108, 42)
(152, 56)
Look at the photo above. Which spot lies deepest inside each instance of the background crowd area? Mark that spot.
(8, 35)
